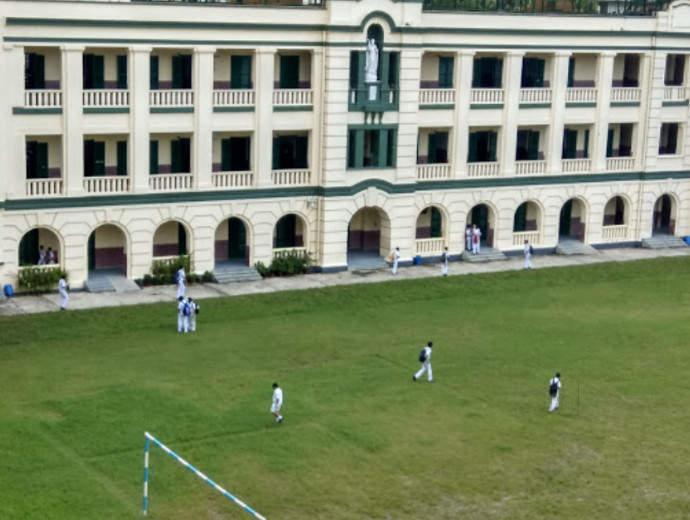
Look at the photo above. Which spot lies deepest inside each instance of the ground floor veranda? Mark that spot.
(338, 232)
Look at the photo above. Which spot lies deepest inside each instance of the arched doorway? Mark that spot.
(39, 246)
(231, 242)
(289, 232)
(430, 231)
(571, 224)
(368, 238)
(615, 212)
(664, 221)
(526, 224)
(483, 217)
(107, 250)
(170, 239)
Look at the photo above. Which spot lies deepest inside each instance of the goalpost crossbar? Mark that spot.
(147, 445)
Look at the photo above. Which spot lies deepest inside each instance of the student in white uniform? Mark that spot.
(181, 279)
(277, 402)
(50, 256)
(182, 315)
(396, 259)
(468, 238)
(555, 392)
(425, 359)
(41, 256)
(528, 251)
(193, 311)
(476, 240)
(444, 262)
(64, 295)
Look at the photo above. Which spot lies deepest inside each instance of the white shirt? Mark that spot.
(62, 284)
(180, 308)
(526, 249)
(555, 380)
(181, 277)
(427, 352)
(477, 232)
(278, 396)
(396, 255)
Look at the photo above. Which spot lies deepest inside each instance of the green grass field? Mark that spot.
(360, 439)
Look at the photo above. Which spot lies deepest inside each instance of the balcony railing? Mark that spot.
(581, 95)
(296, 177)
(519, 237)
(535, 96)
(42, 98)
(106, 185)
(433, 172)
(171, 98)
(233, 98)
(170, 181)
(530, 167)
(676, 93)
(566, 7)
(105, 98)
(44, 187)
(293, 97)
(437, 96)
(374, 99)
(618, 164)
(287, 251)
(483, 169)
(614, 233)
(626, 95)
(576, 165)
(430, 246)
(487, 96)
(233, 179)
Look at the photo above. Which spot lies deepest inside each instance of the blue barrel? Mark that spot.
(417, 260)
(8, 290)
(686, 240)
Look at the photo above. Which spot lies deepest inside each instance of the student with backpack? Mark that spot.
(194, 308)
(183, 312)
(425, 360)
(444, 262)
(528, 250)
(555, 391)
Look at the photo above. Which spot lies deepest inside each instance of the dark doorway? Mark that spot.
(480, 218)
(237, 241)
(663, 222)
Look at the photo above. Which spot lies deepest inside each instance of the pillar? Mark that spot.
(73, 133)
(139, 83)
(263, 138)
(511, 108)
(601, 125)
(559, 85)
(463, 86)
(202, 151)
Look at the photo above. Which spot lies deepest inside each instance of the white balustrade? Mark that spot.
(104, 98)
(620, 163)
(433, 172)
(530, 167)
(535, 96)
(170, 181)
(42, 98)
(614, 233)
(676, 93)
(626, 95)
(233, 98)
(44, 187)
(106, 185)
(287, 251)
(171, 98)
(487, 96)
(293, 97)
(576, 165)
(581, 95)
(483, 169)
(232, 179)
(519, 237)
(430, 246)
(437, 96)
(291, 177)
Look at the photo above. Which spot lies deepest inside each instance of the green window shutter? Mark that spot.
(355, 71)
(431, 149)
(240, 72)
(98, 72)
(153, 157)
(445, 72)
(289, 71)
(586, 143)
(89, 158)
(177, 72)
(392, 157)
(521, 147)
(472, 149)
(436, 223)
(34, 71)
(122, 71)
(497, 76)
(359, 148)
(247, 154)
(31, 153)
(225, 154)
(277, 163)
(28, 248)
(301, 149)
(181, 240)
(99, 158)
(520, 220)
(153, 82)
(540, 65)
(383, 150)
(351, 145)
(175, 156)
(492, 141)
(87, 73)
(42, 161)
(393, 70)
(477, 73)
(122, 157)
(609, 143)
(533, 146)
(569, 144)
(571, 72)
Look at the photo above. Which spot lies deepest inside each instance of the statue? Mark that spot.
(371, 66)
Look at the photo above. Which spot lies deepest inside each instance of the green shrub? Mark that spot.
(288, 264)
(163, 271)
(39, 279)
(208, 277)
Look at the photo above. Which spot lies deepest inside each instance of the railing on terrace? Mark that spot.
(581, 95)
(618, 164)
(299, 177)
(170, 181)
(530, 167)
(519, 237)
(676, 93)
(430, 246)
(535, 96)
(614, 233)
(251, 3)
(483, 169)
(233, 98)
(104, 98)
(487, 96)
(233, 179)
(293, 97)
(437, 96)
(171, 98)
(433, 172)
(626, 95)
(576, 165)
(591, 7)
(106, 185)
(44, 187)
(42, 98)
(382, 99)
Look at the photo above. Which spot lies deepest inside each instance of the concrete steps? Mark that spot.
(662, 242)
(236, 274)
(487, 254)
(574, 247)
(99, 284)
(105, 282)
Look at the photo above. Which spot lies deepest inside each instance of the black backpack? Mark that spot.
(531, 250)
(553, 388)
(422, 356)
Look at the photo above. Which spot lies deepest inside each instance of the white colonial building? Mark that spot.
(234, 130)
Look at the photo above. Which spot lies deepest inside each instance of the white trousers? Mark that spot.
(468, 243)
(444, 269)
(182, 323)
(192, 323)
(554, 402)
(395, 266)
(476, 248)
(64, 298)
(528, 261)
(181, 290)
(426, 367)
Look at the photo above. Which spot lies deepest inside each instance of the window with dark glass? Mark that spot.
(372, 148)
(182, 71)
(36, 160)
(675, 70)
(290, 152)
(488, 72)
(94, 158)
(527, 145)
(668, 144)
(180, 155)
(34, 71)
(240, 72)
(532, 73)
(482, 146)
(235, 154)
(94, 71)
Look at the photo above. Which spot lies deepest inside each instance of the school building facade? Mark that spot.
(234, 131)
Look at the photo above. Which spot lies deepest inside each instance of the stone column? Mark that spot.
(559, 85)
(463, 88)
(601, 125)
(652, 121)
(511, 107)
(13, 143)
(139, 69)
(263, 137)
(73, 133)
(315, 137)
(202, 151)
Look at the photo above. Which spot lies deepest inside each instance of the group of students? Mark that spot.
(46, 257)
(473, 239)
(187, 308)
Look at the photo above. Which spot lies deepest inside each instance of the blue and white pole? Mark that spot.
(175, 456)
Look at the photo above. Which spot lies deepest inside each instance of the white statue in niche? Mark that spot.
(371, 66)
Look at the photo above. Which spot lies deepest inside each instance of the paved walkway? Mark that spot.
(85, 300)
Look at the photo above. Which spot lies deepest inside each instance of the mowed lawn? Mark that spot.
(360, 439)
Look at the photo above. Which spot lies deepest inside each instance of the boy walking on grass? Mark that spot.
(425, 359)
(277, 402)
(555, 392)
